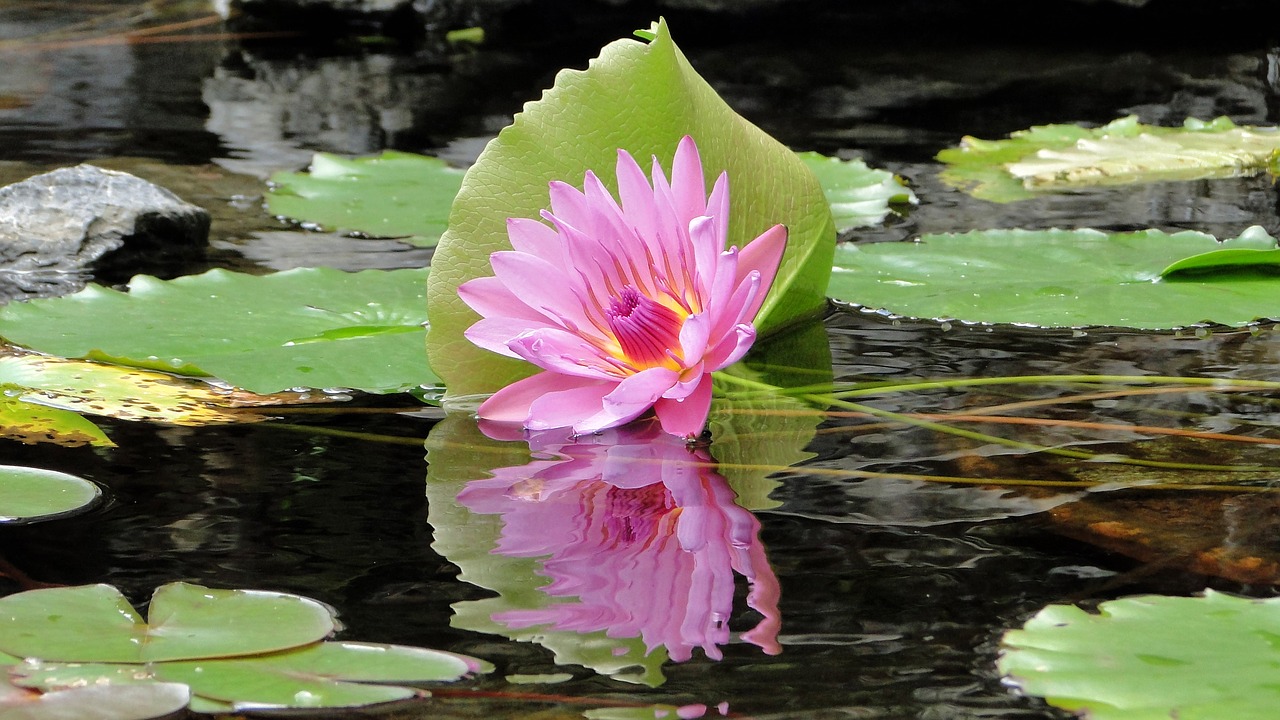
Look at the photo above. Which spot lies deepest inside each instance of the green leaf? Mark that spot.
(1254, 250)
(28, 494)
(95, 624)
(394, 194)
(320, 675)
(1152, 656)
(1063, 157)
(1051, 278)
(642, 98)
(859, 195)
(311, 327)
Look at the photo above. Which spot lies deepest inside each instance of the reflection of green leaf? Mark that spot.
(394, 194)
(859, 196)
(28, 494)
(458, 452)
(244, 329)
(1210, 657)
(643, 98)
(94, 623)
(755, 434)
(1057, 157)
(1050, 278)
(329, 674)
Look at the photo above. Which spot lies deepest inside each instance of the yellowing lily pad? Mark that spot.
(1064, 157)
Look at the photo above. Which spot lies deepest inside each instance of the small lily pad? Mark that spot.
(96, 624)
(30, 494)
(859, 195)
(311, 327)
(395, 194)
(1125, 663)
(1254, 250)
(1053, 278)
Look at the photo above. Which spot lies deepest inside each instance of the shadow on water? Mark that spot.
(884, 592)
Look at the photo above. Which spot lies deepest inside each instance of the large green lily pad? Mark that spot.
(28, 494)
(1064, 157)
(95, 623)
(1142, 658)
(311, 327)
(394, 194)
(1059, 278)
(642, 97)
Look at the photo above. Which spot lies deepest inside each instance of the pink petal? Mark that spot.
(763, 254)
(542, 286)
(707, 246)
(731, 347)
(513, 403)
(687, 417)
(535, 238)
(693, 338)
(491, 298)
(494, 334)
(563, 352)
(567, 407)
(636, 195)
(718, 206)
(688, 185)
(689, 381)
(630, 399)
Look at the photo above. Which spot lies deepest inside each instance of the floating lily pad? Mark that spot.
(29, 494)
(394, 194)
(1063, 157)
(1055, 278)
(641, 97)
(96, 624)
(99, 702)
(324, 675)
(1125, 663)
(859, 195)
(312, 327)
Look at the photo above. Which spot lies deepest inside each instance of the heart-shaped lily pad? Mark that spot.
(95, 623)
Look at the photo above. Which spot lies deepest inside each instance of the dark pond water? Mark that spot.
(893, 591)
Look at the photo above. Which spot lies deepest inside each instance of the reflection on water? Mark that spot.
(632, 535)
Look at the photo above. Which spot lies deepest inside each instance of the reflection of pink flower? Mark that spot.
(624, 307)
(641, 531)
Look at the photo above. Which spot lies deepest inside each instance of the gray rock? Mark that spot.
(55, 226)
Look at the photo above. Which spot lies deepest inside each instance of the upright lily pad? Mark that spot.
(859, 195)
(311, 327)
(394, 194)
(1055, 278)
(28, 494)
(1062, 157)
(641, 97)
(1203, 658)
(95, 623)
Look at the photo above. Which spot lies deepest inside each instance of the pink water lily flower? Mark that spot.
(624, 306)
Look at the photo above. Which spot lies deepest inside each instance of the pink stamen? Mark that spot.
(647, 331)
